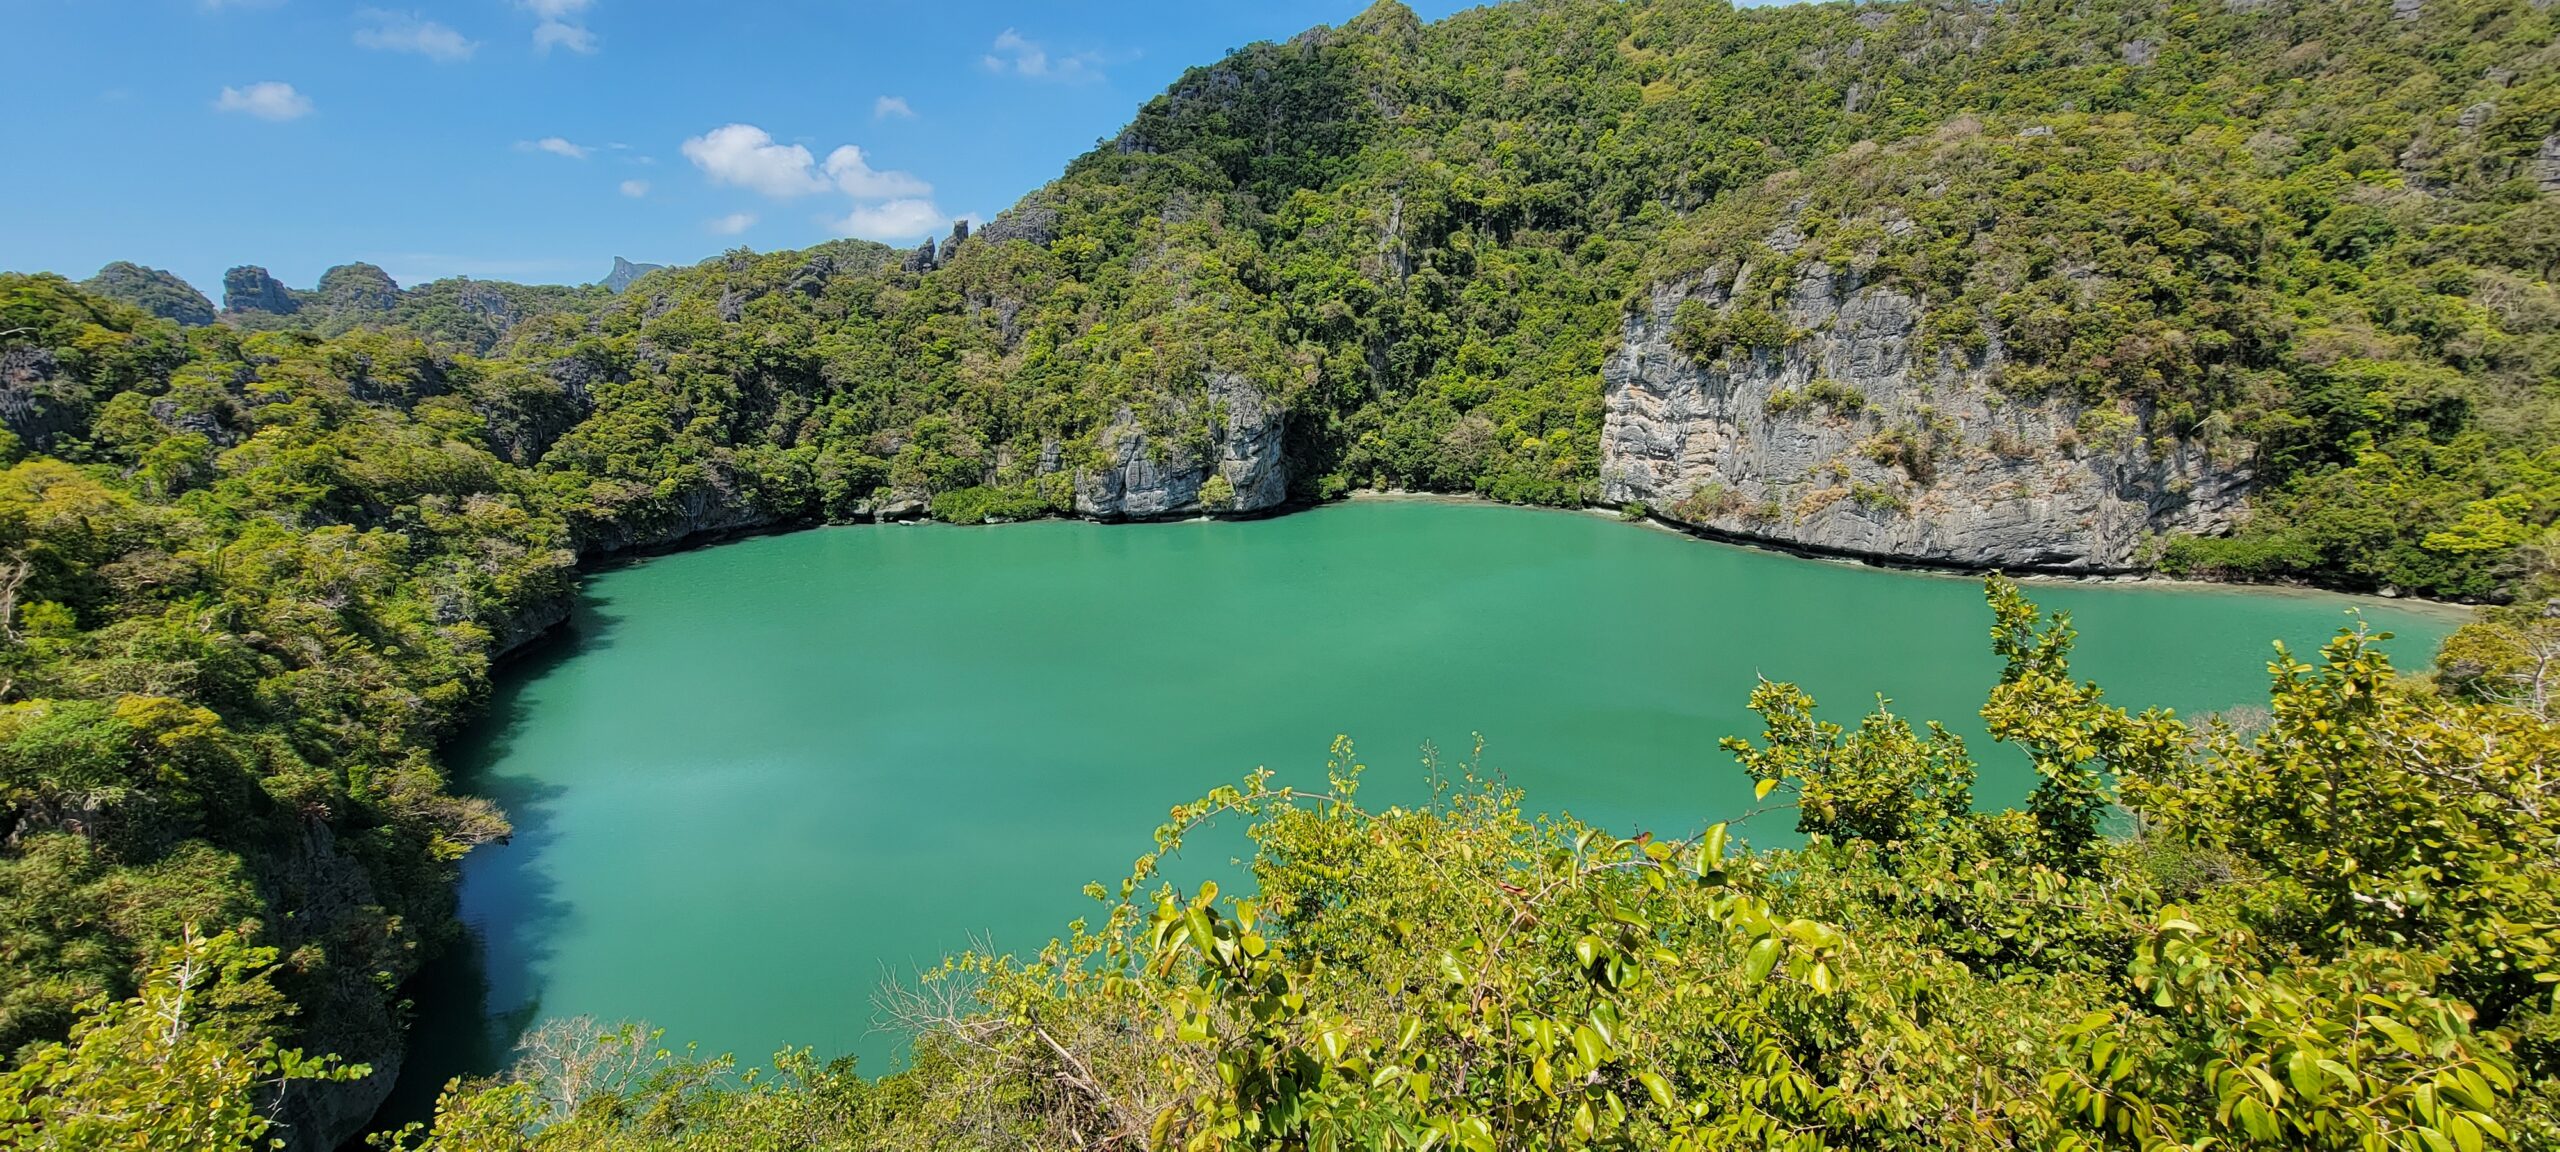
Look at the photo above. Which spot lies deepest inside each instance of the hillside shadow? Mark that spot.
(471, 1003)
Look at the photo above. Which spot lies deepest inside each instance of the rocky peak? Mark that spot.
(357, 288)
(1388, 19)
(920, 260)
(624, 272)
(951, 244)
(248, 288)
(158, 292)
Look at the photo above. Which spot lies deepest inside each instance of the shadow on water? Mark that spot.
(474, 1000)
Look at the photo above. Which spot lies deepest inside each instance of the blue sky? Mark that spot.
(537, 139)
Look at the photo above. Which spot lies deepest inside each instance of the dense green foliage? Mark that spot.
(186, 1066)
(242, 596)
(2313, 237)
(251, 573)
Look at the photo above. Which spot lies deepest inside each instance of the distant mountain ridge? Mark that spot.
(473, 314)
(624, 272)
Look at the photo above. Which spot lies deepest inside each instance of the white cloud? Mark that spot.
(888, 106)
(555, 145)
(552, 34)
(407, 32)
(859, 180)
(1014, 53)
(266, 100)
(747, 156)
(731, 224)
(893, 220)
(635, 189)
(885, 203)
(562, 24)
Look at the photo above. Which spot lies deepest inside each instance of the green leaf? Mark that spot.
(1588, 1047)
(1762, 957)
(2400, 1034)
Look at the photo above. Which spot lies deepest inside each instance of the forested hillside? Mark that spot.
(2249, 289)
(2270, 272)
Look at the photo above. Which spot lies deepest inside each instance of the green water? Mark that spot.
(756, 780)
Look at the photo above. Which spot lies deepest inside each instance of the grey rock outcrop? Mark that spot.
(1846, 441)
(206, 416)
(37, 400)
(624, 272)
(527, 413)
(531, 618)
(481, 299)
(326, 897)
(812, 277)
(951, 244)
(2546, 166)
(716, 503)
(1142, 478)
(1031, 221)
(248, 288)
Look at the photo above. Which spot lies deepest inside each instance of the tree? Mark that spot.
(179, 1068)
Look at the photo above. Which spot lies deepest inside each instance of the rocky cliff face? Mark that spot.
(624, 272)
(1239, 469)
(38, 399)
(249, 289)
(716, 503)
(1849, 439)
(327, 901)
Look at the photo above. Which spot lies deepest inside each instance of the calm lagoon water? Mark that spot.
(756, 780)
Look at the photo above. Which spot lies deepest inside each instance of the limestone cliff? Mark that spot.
(248, 288)
(39, 399)
(1143, 475)
(717, 500)
(1845, 436)
(624, 272)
